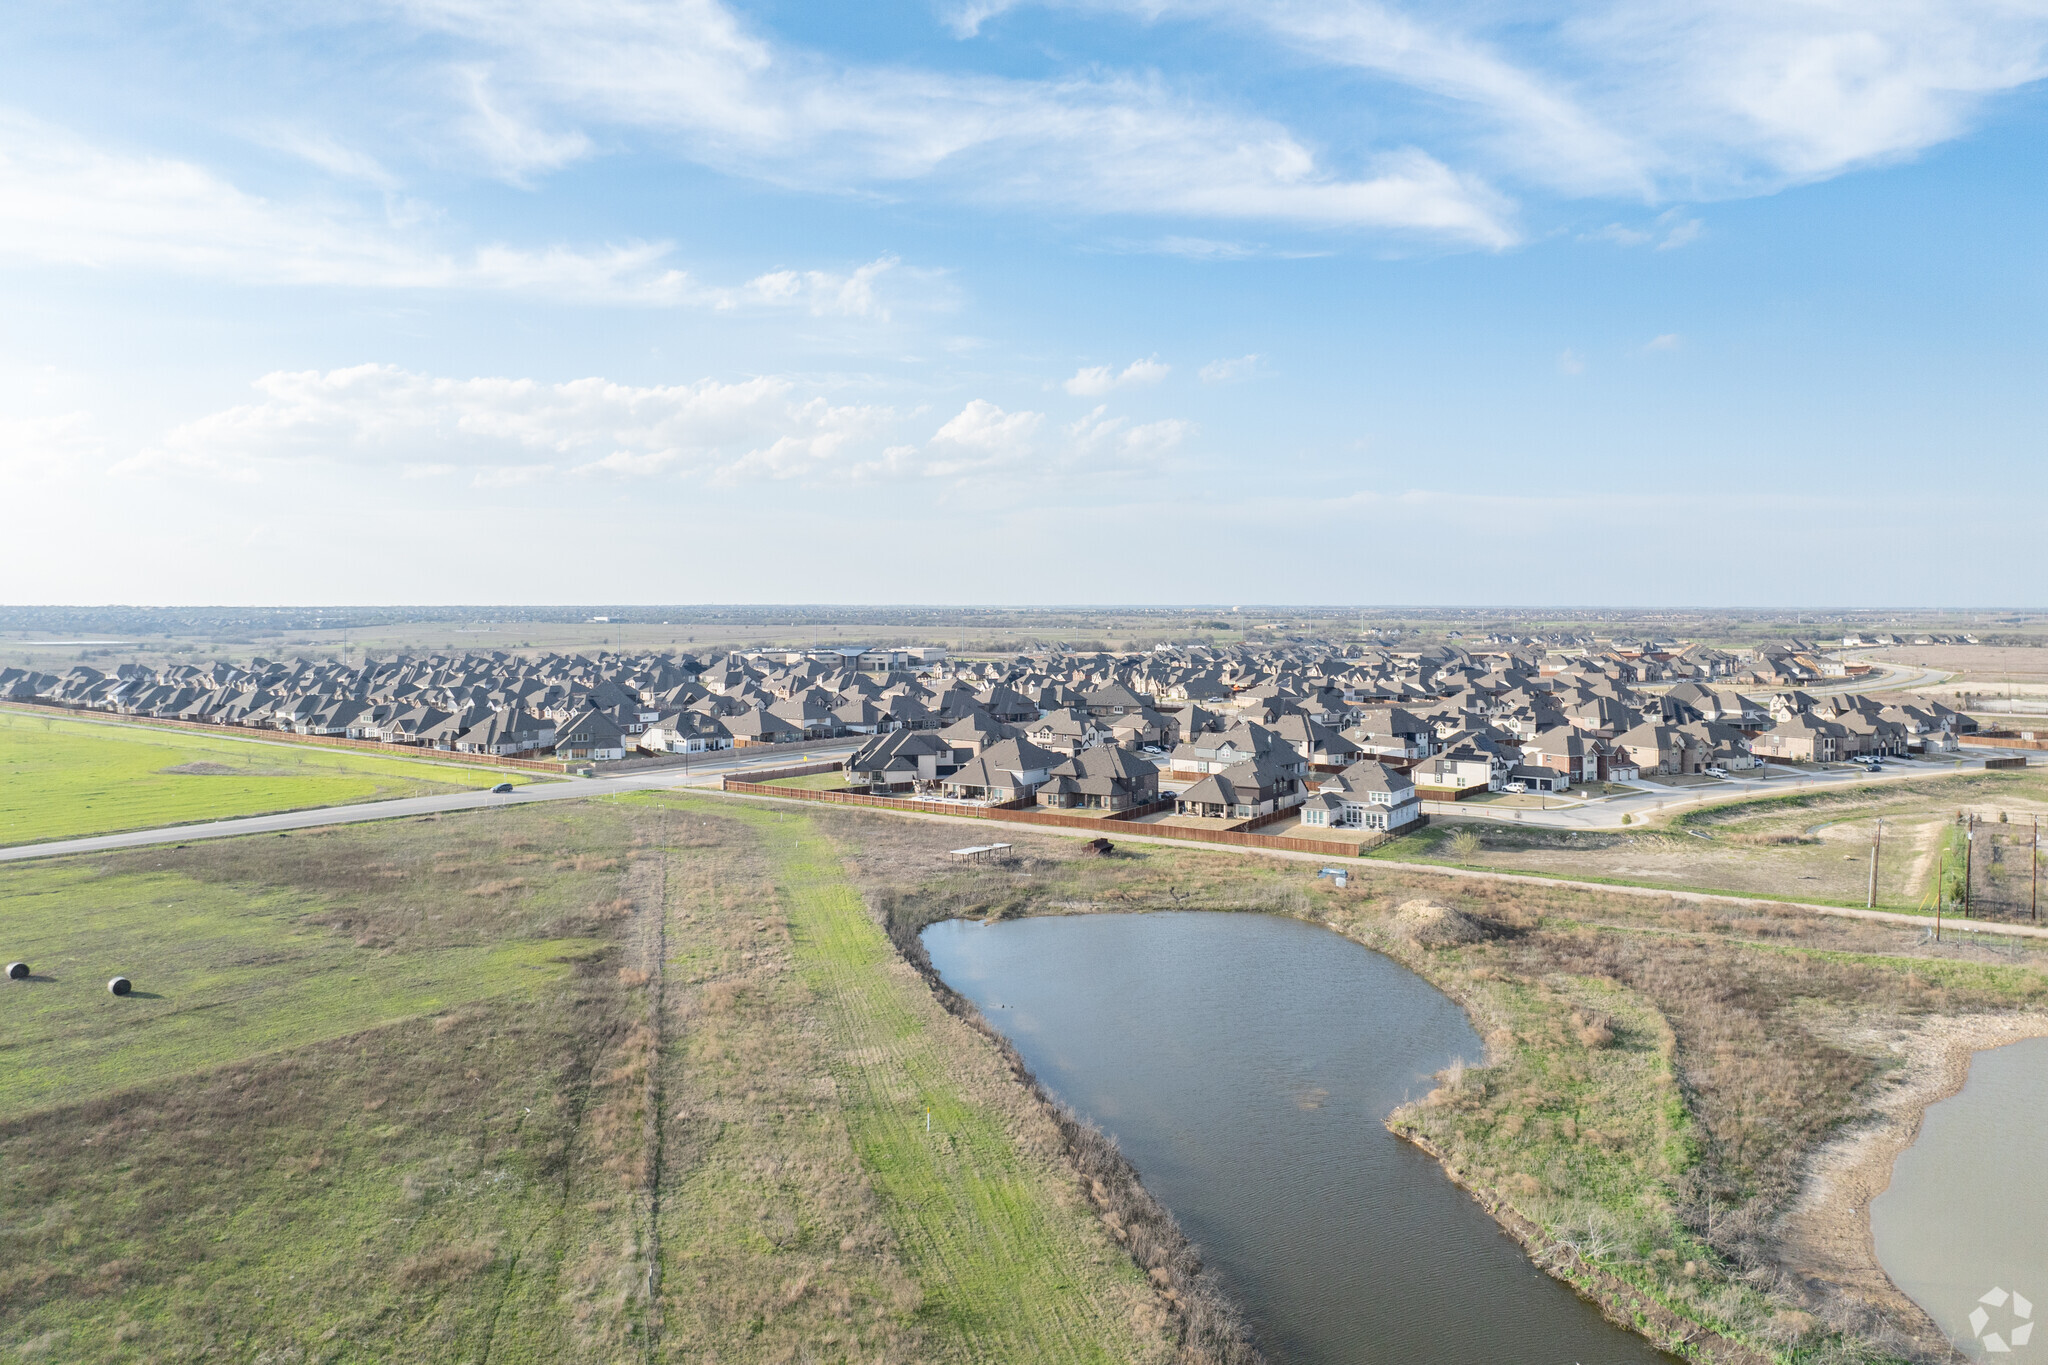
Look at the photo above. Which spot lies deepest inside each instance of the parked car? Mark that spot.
(1717, 772)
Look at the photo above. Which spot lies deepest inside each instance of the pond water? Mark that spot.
(1964, 1223)
(1246, 1063)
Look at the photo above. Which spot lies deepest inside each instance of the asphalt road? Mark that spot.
(1570, 811)
(700, 773)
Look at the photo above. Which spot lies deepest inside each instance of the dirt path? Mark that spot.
(1825, 1238)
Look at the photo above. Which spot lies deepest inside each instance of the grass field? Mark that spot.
(811, 1047)
(63, 778)
(356, 1110)
(1812, 846)
(636, 1079)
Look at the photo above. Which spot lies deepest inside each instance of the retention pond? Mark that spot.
(1963, 1227)
(1247, 1063)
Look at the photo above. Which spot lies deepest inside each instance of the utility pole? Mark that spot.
(2034, 874)
(1940, 893)
(1876, 842)
(1969, 846)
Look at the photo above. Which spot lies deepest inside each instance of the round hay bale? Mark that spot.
(17, 971)
(120, 985)
(1432, 924)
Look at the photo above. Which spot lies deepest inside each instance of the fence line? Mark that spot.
(1236, 838)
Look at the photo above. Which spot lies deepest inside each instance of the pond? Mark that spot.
(1246, 1063)
(1963, 1227)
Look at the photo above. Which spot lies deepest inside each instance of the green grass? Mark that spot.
(1011, 1263)
(220, 975)
(816, 782)
(370, 1104)
(62, 778)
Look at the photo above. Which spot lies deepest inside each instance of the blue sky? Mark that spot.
(956, 300)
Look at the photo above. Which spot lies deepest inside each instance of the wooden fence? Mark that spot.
(795, 770)
(377, 746)
(2004, 739)
(1012, 814)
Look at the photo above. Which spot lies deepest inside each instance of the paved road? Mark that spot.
(710, 771)
(706, 772)
(1650, 798)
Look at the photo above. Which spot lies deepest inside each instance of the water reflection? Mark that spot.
(1963, 1228)
(1246, 1063)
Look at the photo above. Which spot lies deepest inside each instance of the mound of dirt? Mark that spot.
(1432, 924)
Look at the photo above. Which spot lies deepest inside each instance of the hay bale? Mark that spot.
(17, 971)
(120, 985)
(1432, 924)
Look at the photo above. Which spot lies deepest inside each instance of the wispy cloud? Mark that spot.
(69, 202)
(1652, 100)
(1100, 142)
(1227, 371)
(1570, 363)
(367, 422)
(1667, 341)
(1096, 380)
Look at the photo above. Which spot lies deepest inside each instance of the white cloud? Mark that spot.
(1666, 232)
(1089, 435)
(324, 151)
(981, 437)
(1092, 438)
(1094, 381)
(1570, 363)
(369, 422)
(1225, 371)
(1102, 143)
(822, 292)
(1156, 438)
(47, 449)
(71, 203)
(1668, 341)
(1655, 100)
(512, 142)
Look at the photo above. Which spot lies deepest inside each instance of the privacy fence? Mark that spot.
(1019, 813)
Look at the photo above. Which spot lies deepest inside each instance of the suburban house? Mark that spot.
(1215, 753)
(506, 732)
(1256, 786)
(590, 734)
(1011, 770)
(1801, 739)
(1366, 795)
(685, 732)
(1066, 731)
(902, 760)
(1458, 773)
(1105, 778)
(1393, 734)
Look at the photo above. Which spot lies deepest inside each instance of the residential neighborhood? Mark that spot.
(1336, 737)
